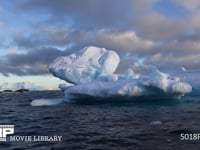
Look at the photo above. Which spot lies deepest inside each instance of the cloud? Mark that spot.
(119, 41)
(174, 61)
(124, 41)
(1, 10)
(82, 15)
(58, 36)
(37, 58)
(34, 62)
(47, 29)
(191, 5)
(50, 36)
(158, 27)
(106, 15)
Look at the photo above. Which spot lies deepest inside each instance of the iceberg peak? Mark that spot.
(86, 65)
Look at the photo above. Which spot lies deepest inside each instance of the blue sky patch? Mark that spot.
(170, 9)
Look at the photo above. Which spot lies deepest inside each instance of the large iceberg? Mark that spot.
(89, 74)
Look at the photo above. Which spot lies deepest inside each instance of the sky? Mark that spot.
(163, 33)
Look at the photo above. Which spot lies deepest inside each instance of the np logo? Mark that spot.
(5, 130)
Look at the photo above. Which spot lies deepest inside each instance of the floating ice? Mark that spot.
(46, 102)
(156, 123)
(86, 65)
(64, 86)
(156, 84)
(91, 70)
(20, 85)
(183, 69)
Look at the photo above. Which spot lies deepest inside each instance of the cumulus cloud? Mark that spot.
(118, 41)
(124, 41)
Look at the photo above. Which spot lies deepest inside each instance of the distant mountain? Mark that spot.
(22, 90)
(20, 85)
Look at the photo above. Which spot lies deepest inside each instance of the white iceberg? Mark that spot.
(91, 72)
(20, 85)
(86, 65)
(155, 85)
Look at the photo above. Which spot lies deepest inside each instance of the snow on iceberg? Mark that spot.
(91, 72)
(86, 65)
(154, 85)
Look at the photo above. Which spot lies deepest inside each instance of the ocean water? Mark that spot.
(142, 125)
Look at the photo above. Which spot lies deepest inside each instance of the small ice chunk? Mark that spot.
(65, 85)
(183, 69)
(46, 102)
(157, 122)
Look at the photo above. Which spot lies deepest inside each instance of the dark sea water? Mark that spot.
(138, 125)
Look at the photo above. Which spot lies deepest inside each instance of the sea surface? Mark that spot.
(146, 125)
